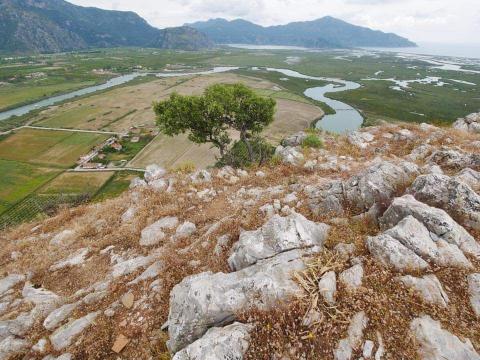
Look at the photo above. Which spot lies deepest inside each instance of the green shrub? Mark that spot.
(238, 156)
(312, 141)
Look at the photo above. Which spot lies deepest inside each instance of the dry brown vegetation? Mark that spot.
(280, 333)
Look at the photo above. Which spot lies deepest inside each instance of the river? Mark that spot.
(344, 120)
(346, 117)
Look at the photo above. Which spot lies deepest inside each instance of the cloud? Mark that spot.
(420, 20)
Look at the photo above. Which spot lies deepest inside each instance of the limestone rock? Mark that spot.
(77, 258)
(129, 214)
(327, 287)
(474, 292)
(352, 277)
(159, 185)
(200, 177)
(10, 281)
(278, 235)
(390, 252)
(289, 155)
(184, 230)
(454, 159)
(64, 336)
(57, 316)
(436, 343)
(153, 234)
(354, 339)
(360, 139)
(428, 288)
(154, 172)
(378, 183)
(229, 342)
(470, 177)
(295, 139)
(205, 300)
(470, 123)
(129, 266)
(11, 346)
(451, 195)
(437, 221)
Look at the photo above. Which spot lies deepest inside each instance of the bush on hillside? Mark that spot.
(238, 155)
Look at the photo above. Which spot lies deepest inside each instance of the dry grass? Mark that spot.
(390, 307)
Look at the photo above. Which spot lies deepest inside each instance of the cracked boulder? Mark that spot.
(206, 300)
(451, 195)
(409, 247)
(279, 234)
(440, 225)
(375, 185)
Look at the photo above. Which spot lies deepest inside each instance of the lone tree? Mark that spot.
(212, 116)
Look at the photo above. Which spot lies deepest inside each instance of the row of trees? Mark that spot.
(217, 114)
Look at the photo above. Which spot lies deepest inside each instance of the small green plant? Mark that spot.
(239, 156)
(312, 141)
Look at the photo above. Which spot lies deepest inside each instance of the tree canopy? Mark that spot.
(212, 116)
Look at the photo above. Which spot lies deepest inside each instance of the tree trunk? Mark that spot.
(244, 138)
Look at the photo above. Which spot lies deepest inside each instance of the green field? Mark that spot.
(19, 180)
(48, 148)
(116, 185)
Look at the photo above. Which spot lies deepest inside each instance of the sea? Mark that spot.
(471, 51)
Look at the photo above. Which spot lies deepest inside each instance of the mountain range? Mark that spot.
(47, 26)
(325, 32)
(56, 25)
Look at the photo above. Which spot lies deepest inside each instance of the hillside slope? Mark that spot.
(325, 32)
(367, 247)
(56, 25)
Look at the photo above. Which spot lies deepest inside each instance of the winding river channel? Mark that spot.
(345, 119)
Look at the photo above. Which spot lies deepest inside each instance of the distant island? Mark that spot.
(327, 32)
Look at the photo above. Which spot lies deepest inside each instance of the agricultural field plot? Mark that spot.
(75, 183)
(19, 180)
(66, 188)
(116, 185)
(14, 95)
(115, 110)
(49, 148)
(171, 152)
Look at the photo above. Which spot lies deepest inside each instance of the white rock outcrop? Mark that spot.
(354, 339)
(437, 221)
(206, 300)
(289, 155)
(451, 195)
(278, 235)
(327, 286)
(229, 342)
(64, 336)
(378, 183)
(436, 343)
(471, 123)
(428, 288)
(153, 234)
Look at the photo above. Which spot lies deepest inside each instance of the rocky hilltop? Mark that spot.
(365, 249)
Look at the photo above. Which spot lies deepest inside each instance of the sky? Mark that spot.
(441, 21)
